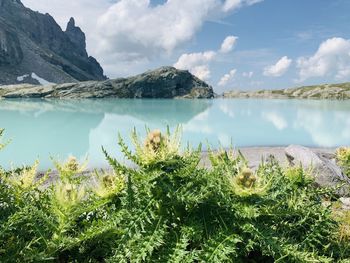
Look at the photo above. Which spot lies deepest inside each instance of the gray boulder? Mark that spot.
(325, 169)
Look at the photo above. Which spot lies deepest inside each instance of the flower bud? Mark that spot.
(72, 164)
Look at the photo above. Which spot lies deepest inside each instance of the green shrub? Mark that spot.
(343, 217)
(168, 209)
(343, 158)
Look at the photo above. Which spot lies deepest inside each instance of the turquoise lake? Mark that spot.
(39, 129)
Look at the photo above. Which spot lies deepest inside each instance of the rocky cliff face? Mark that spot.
(327, 91)
(165, 82)
(31, 42)
(10, 49)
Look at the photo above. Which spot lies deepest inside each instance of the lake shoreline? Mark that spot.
(321, 162)
(253, 154)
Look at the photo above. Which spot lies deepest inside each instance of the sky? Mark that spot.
(231, 44)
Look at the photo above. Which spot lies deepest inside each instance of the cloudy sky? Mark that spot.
(231, 44)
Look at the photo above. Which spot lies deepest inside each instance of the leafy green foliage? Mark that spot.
(343, 157)
(167, 209)
(1, 133)
(343, 217)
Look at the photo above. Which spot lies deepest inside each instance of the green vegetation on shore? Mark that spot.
(168, 209)
(343, 157)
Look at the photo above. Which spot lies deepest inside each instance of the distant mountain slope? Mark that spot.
(325, 91)
(34, 49)
(165, 82)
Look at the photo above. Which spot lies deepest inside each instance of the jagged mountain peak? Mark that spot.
(31, 42)
(76, 35)
(71, 23)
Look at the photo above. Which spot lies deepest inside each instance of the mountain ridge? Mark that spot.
(31, 42)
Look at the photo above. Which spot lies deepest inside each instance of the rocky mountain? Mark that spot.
(327, 91)
(165, 82)
(34, 49)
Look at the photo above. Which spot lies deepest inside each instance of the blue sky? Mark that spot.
(274, 43)
(273, 29)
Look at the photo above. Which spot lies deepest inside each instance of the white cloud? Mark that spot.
(196, 63)
(227, 78)
(136, 30)
(135, 25)
(199, 63)
(248, 74)
(228, 44)
(230, 5)
(202, 72)
(279, 68)
(194, 59)
(331, 59)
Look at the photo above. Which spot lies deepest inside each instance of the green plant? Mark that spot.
(1, 133)
(167, 209)
(343, 158)
(343, 217)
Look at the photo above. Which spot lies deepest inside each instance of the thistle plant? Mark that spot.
(343, 217)
(71, 170)
(158, 147)
(26, 179)
(108, 184)
(169, 208)
(343, 158)
(247, 183)
(247, 178)
(67, 195)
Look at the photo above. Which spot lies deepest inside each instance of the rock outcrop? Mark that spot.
(165, 82)
(327, 91)
(31, 42)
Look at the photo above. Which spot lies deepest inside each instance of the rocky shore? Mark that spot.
(326, 91)
(165, 82)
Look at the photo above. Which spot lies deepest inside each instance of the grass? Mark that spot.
(168, 209)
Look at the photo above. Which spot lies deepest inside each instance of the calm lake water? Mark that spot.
(58, 128)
